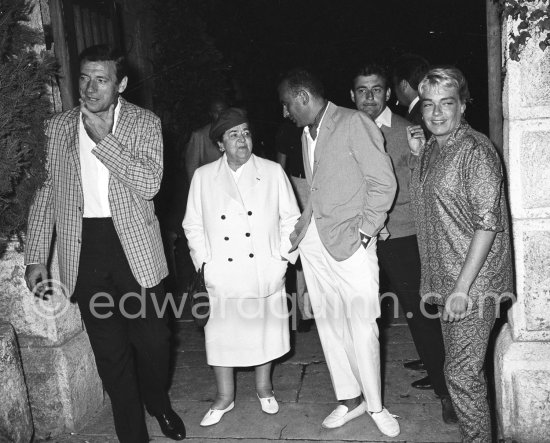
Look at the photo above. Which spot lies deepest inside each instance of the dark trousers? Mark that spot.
(129, 340)
(400, 260)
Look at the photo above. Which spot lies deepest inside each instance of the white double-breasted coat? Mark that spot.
(241, 231)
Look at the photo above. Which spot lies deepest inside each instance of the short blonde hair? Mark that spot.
(446, 77)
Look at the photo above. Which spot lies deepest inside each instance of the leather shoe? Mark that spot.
(448, 411)
(171, 425)
(415, 365)
(423, 383)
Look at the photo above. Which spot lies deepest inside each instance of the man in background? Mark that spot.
(200, 150)
(408, 70)
(398, 255)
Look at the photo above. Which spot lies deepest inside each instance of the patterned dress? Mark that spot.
(463, 192)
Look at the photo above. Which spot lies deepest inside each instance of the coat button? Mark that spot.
(229, 259)
(249, 212)
(223, 217)
(247, 234)
(226, 238)
(251, 255)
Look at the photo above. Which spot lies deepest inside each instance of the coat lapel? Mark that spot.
(327, 126)
(124, 126)
(250, 176)
(305, 156)
(125, 121)
(227, 183)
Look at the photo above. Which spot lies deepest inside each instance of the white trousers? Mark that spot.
(344, 298)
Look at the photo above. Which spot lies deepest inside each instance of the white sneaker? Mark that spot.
(386, 422)
(341, 415)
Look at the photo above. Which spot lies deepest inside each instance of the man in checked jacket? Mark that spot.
(104, 166)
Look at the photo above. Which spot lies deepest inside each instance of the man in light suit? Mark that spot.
(104, 166)
(352, 187)
(398, 255)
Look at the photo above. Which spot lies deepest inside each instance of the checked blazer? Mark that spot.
(133, 156)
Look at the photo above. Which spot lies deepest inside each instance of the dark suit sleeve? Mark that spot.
(138, 167)
(367, 146)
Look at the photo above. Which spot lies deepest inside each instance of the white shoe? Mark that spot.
(341, 415)
(386, 422)
(269, 404)
(214, 416)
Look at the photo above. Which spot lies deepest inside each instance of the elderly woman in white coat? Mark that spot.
(240, 213)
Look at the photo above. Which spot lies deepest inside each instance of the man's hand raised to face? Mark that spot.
(97, 127)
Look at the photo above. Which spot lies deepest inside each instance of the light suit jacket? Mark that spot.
(241, 232)
(133, 156)
(352, 185)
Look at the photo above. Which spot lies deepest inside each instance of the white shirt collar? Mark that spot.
(411, 106)
(384, 119)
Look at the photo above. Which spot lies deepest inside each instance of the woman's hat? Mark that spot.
(228, 119)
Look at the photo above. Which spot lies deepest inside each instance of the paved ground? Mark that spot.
(303, 389)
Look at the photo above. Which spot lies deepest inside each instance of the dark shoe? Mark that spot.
(171, 425)
(304, 325)
(415, 365)
(423, 383)
(448, 411)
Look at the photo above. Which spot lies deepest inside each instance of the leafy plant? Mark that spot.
(531, 15)
(24, 104)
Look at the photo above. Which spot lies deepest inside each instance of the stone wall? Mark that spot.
(60, 372)
(15, 414)
(522, 354)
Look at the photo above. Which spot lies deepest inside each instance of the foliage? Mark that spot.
(531, 15)
(189, 70)
(24, 103)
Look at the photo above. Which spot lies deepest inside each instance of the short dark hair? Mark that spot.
(103, 53)
(372, 69)
(410, 67)
(300, 78)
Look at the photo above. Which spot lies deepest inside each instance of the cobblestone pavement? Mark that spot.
(303, 388)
